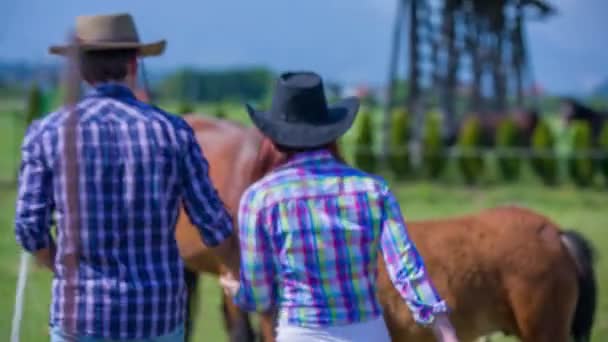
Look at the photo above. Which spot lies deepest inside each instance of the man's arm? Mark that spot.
(46, 256)
(204, 206)
(258, 287)
(34, 203)
(405, 266)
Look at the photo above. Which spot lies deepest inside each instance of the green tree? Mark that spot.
(399, 159)
(544, 162)
(508, 137)
(603, 148)
(242, 84)
(581, 165)
(34, 104)
(469, 142)
(185, 108)
(220, 112)
(364, 153)
(433, 149)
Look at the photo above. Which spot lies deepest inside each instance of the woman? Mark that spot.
(310, 231)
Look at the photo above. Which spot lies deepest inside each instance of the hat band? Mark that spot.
(80, 40)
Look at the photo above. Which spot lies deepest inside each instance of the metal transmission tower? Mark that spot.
(462, 56)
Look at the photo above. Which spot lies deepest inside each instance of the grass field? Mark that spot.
(582, 210)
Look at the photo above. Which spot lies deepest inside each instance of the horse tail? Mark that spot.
(583, 254)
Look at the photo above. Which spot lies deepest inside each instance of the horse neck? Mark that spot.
(268, 159)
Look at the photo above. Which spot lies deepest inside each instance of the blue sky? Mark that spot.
(344, 40)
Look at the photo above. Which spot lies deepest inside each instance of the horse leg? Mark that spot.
(236, 322)
(544, 309)
(191, 280)
(267, 326)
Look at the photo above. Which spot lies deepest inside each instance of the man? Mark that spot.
(310, 231)
(137, 165)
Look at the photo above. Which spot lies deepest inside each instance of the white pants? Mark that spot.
(370, 331)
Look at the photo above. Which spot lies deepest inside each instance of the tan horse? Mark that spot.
(505, 269)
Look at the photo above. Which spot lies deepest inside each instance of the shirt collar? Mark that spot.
(309, 157)
(111, 89)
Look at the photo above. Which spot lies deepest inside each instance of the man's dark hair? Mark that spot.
(293, 150)
(106, 65)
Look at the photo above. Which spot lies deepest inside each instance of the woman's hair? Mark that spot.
(292, 150)
(332, 147)
(271, 156)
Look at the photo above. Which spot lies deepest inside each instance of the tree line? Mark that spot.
(585, 161)
(238, 84)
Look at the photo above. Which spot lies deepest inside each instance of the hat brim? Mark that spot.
(301, 135)
(144, 50)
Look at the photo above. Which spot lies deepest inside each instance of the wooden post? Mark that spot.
(413, 91)
(392, 77)
(453, 56)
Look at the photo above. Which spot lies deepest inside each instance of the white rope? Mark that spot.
(19, 298)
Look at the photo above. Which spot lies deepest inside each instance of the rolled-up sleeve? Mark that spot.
(406, 267)
(200, 198)
(258, 286)
(34, 196)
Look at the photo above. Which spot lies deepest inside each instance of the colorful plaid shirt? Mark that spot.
(310, 235)
(137, 164)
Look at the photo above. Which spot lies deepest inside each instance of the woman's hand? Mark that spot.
(443, 329)
(229, 283)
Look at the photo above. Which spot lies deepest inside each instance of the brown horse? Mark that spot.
(505, 269)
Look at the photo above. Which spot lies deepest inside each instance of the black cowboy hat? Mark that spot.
(299, 115)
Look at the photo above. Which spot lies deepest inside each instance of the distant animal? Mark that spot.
(504, 269)
(573, 110)
(526, 121)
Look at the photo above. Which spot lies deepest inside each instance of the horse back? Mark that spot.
(475, 261)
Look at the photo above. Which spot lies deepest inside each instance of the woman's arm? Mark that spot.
(406, 267)
(258, 287)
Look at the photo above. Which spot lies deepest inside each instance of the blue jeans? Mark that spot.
(58, 335)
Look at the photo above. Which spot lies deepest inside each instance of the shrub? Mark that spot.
(34, 104)
(602, 145)
(469, 141)
(220, 113)
(364, 154)
(544, 162)
(581, 165)
(185, 108)
(433, 150)
(508, 137)
(399, 158)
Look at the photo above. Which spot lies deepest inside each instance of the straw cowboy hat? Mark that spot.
(109, 32)
(300, 117)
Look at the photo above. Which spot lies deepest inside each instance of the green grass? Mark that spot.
(581, 210)
(11, 133)
(37, 295)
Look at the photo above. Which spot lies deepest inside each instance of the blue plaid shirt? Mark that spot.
(137, 164)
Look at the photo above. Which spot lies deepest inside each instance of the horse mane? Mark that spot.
(269, 158)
